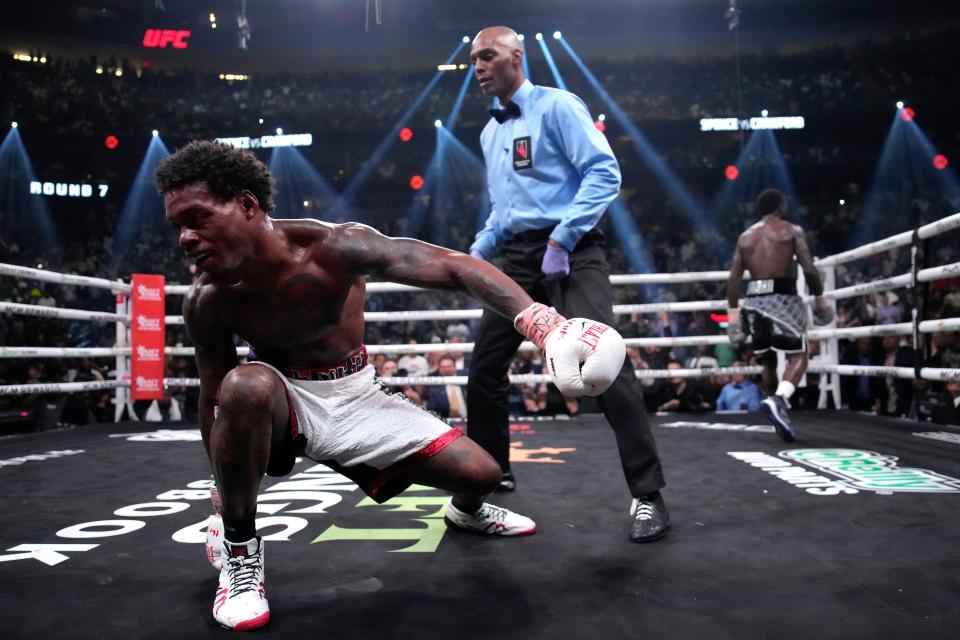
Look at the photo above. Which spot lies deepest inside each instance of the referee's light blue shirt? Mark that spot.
(572, 178)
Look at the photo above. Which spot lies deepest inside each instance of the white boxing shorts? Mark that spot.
(358, 427)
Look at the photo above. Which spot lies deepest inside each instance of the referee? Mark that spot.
(551, 176)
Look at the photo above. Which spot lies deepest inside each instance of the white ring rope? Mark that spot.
(899, 240)
(62, 278)
(876, 286)
(58, 387)
(63, 352)
(936, 273)
(40, 311)
(926, 373)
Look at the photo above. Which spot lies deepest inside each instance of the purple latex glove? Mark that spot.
(475, 253)
(556, 262)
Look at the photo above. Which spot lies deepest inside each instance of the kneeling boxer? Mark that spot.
(775, 316)
(294, 289)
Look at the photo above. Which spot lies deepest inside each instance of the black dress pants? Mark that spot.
(585, 293)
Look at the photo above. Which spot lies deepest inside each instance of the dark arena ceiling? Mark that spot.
(352, 34)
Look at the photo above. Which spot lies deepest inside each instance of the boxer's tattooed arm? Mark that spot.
(364, 251)
(736, 274)
(805, 259)
(215, 352)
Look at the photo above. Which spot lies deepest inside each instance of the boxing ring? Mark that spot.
(849, 532)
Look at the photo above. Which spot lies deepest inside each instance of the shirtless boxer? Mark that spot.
(294, 289)
(775, 316)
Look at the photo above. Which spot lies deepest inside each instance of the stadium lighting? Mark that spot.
(466, 38)
(539, 36)
(438, 123)
(279, 131)
(602, 117)
(899, 104)
(260, 120)
(155, 133)
(306, 203)
(842, 202)
(14, 124)
(764, 112)
(557, 35)
(520, 37)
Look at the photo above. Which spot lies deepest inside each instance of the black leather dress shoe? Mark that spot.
(649, 518)
(507, 483)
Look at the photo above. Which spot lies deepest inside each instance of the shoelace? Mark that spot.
(644, 510)
(491, 512)
(243, 574)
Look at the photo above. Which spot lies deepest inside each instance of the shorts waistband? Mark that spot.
(347, 367)
(787, 286)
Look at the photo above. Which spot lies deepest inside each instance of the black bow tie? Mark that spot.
(512, 110)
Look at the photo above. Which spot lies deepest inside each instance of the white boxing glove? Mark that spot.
(214, 542)
(583, 356)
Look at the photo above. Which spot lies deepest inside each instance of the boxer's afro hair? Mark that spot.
(226, 170)
(769, 201)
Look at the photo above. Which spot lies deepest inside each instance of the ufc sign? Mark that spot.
(158, 38)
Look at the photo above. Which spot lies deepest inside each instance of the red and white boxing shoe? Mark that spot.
(490, 520)
(241, 603)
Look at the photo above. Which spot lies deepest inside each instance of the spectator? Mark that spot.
(953, 389)
(388, 368)
(887, 310)
(414, 364)
(861, 393)
(681, 395)
(448, 400)
(739, 394)
(896, 394)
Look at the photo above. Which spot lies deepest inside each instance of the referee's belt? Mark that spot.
(787, 286)
(542, 235)
(533, 235)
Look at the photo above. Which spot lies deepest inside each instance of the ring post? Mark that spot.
(121, 393)
(917, 259)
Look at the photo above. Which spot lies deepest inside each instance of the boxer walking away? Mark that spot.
(771, 312)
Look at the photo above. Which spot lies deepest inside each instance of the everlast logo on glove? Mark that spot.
(522, 154)
(591, 336)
